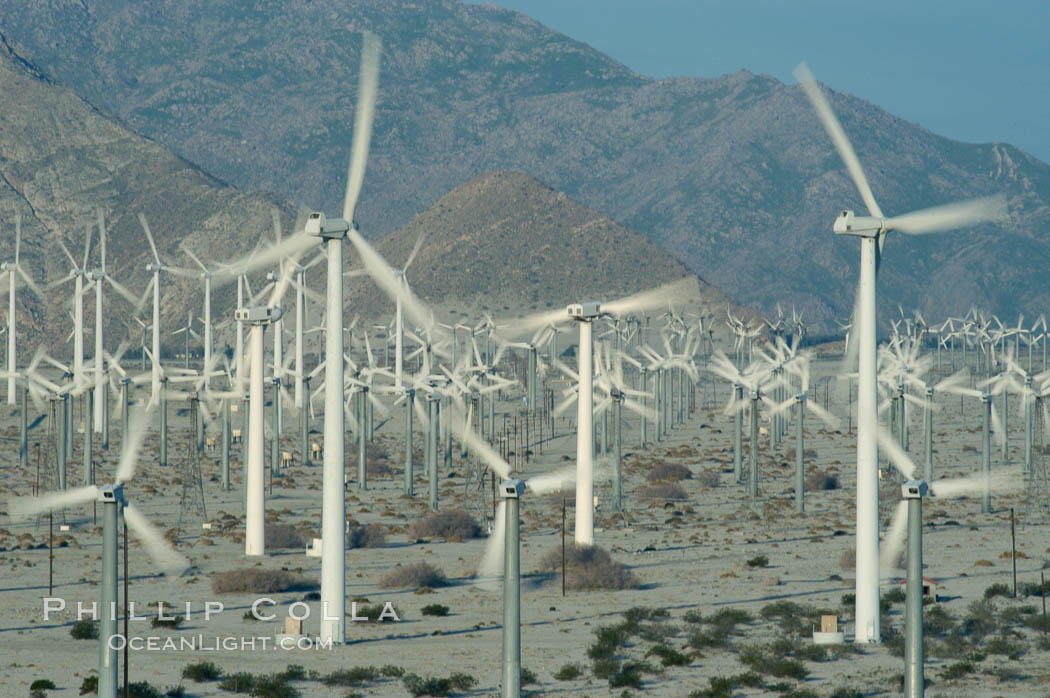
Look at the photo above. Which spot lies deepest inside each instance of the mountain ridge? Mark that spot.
(733, 174)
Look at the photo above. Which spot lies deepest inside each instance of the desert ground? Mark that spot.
(728, 586)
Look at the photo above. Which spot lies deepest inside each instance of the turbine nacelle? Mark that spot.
(512, 489)
(258, 315)
(321, 226)
(109, 494)
(849, 223)
(584, 311)
(915, 489)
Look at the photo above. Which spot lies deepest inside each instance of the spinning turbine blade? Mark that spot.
(129, 458)
(831, 124)
(21, 508)
(893, 541)
(491, 566)
(896, 454)
(167, 558)
(363, 115)
(949, 216)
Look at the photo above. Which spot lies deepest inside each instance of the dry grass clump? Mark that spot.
(257, 580)
(662, 490)
(709, 478)
(455, 525)
(285, 536)
(588, 567)
(817, 480)
(369, 536)
(669, 472)
(414, 576)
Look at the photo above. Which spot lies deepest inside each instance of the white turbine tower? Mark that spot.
(206, 275)
(334, 231)
(14, 270)
(99, 276)
(872, 231)
(156, 267)
(77, 272)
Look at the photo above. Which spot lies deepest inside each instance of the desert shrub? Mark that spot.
(997, 590)
(391, 671)
(979, 619)
(42, 685)
(240, 682)
(373, 612)
(818, 481)
(284, 536)
(896, 595)
(370, 536)
(608, 638)
(662, 490)
(718, 687)
(175, 692)
(89, 685)
(760, 660)
(957, 670)
(293, 672)
(811, 653)
(273, 686)
(461, 681)
(758, 561)
(256, 580)
(702, 639)
(693, 616)
(202, 671)
(569, 672)
(172, 622)
(668, 655)
(728, 618)
(1005, 646)
(528, 676)
(637, 614)
(668, 471)
(421, 574)
(589, 567)
(629, 675)
(351, 677)
(432, 686)
(84, 630)
(435, 609)
(450, 525)
(605, 668)
(143, 689)
(936, 622)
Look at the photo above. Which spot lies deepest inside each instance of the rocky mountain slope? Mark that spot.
(733, 174)
(507, 244)
(61, 161)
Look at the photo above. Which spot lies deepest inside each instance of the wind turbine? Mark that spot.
(872, 231)
(584, 315)
(100, 275)
(156, 267)
(334, 231)
(77, 272)
(114, 502)
(14, 270)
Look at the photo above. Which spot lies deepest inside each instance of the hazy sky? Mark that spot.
(974, 70)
